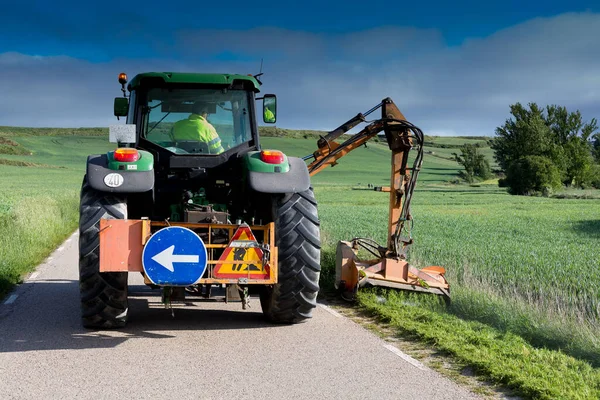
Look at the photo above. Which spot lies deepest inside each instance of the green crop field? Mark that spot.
(38, 196)
(522, 266)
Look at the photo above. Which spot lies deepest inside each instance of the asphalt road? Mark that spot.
(206, 351)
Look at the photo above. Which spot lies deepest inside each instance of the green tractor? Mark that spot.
(198, 216)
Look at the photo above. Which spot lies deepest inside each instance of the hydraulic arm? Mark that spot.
(389, 267)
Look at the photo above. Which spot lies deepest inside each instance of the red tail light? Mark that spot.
(126, 154)
(272, 156)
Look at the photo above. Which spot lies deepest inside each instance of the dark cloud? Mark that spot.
(324, 79)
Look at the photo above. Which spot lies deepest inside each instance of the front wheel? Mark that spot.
(297, 236)
(103, 295)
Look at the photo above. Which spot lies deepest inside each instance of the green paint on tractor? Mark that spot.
(255, 164)
(182, 77)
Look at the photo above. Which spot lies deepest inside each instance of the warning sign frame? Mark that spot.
(242, 246)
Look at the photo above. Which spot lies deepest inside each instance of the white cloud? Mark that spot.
(323, 80)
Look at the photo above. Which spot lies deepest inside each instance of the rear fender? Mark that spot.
(104, 179)
(295, 179)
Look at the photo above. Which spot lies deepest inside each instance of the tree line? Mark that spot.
(539, 150)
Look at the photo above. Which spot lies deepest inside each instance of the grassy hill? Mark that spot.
(520, 267)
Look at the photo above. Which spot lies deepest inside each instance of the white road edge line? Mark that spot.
(330, 310)
(405, 356)
(389, 347)
(11, 299)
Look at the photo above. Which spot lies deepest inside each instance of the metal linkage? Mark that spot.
(389, 267)
(401, 136)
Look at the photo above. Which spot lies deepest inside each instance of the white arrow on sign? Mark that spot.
(166, 258)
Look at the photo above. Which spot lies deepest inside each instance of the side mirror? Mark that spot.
(121, 106)
(269, 108)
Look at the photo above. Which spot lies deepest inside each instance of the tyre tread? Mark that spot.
(103, 295)
(297, 237)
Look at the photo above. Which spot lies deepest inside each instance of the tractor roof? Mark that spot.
(188, 77)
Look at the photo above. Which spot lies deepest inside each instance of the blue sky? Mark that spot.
(452, 68)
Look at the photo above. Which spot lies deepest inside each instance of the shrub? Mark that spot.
(594, 176)
(475, 163)
(532, 175)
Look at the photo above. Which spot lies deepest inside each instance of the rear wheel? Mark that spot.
(297, 236)
(103, 295)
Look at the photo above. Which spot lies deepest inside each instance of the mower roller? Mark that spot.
(208, 215)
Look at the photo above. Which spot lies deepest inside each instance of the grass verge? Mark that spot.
(503, 357)
(29, 231)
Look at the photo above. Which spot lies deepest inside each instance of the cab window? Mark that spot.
(197, 121)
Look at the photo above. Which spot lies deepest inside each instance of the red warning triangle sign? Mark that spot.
(242, 247)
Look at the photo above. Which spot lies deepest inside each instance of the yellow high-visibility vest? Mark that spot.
(269, 116)
(196, 128)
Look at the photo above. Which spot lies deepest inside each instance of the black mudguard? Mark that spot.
(133, 181)
(296, 180)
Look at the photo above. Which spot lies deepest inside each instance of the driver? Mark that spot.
(197, 128)
(269, 116)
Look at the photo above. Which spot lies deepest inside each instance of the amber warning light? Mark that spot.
(122, 78)
(126, 154)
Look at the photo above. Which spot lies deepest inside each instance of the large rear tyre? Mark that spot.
(297, 237)
(103, 295)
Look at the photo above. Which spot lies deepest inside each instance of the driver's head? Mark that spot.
(200, 108)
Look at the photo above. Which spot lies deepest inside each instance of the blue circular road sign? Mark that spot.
(174, 256)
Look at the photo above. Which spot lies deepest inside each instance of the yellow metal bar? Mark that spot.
(273, 259)
(233, 262)
(247, 281)
(146, 231)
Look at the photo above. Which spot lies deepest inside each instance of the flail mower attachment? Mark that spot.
(351, 273)
(389, 267)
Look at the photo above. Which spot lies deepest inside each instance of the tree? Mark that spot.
(594, 176)
(573, 136)
(596, 147)
(554, 134)
(475, 163)
(532, 175)
(525, 135)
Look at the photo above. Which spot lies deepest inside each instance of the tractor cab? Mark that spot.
(182, 115)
